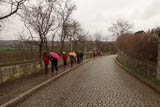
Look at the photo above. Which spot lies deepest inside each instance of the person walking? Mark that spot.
(64, 58)
(78, 57)
(71, 60)
(54, 64)
(94, 54)
(81, 56)
(46, 61)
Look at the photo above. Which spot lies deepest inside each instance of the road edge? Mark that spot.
(30, 91)
(137, 76)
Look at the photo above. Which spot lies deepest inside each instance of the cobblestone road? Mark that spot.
(99, 83)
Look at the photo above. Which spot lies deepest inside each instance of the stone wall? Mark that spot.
(137, 65)
(9, 72)
(19, 70)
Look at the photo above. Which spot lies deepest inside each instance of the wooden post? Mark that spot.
(71, 42)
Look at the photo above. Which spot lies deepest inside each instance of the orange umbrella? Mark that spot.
(72, 54)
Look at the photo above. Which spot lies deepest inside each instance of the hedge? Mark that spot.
(140, 46)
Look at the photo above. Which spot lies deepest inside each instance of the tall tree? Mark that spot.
(98, 40)
(65, 9)
(41, 18)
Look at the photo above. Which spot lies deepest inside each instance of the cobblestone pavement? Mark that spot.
(99, 83)
(12, 89)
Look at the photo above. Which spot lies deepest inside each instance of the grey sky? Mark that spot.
(97, 15)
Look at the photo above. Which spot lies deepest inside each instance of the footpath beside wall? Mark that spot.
(137, 65)
(9, 72)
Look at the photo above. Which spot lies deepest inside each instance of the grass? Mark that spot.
(7, 49)
(12, 49)
(149, 78)
(12, 55)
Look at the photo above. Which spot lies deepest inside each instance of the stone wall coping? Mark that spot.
(20, 62)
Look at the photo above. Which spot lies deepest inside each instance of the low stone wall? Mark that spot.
(19, 70)
(9, 72)
(137, 65)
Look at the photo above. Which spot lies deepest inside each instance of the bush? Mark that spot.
(141, 46)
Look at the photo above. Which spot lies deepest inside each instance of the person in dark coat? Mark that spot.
(64, 58)
(94, 54)
(71, 60)
(46, 61)
(54, 64)
(81, 56)
(78, 57)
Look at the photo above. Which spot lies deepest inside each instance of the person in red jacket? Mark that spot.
(46, 61)
(64, 58)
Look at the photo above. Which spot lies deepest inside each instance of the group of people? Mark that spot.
(76, 58)
(54, 62)
(94, 54)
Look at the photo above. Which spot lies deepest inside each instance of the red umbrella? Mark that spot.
(54, 55)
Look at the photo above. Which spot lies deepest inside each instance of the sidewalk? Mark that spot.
(12, 89)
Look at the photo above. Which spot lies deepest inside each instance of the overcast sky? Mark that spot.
(98, 15)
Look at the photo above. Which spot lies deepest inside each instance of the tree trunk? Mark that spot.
(31, 51)
(53, 47)
(46, 45)
(75, 46)
(62, 40)
(62, 46)
(40, 49)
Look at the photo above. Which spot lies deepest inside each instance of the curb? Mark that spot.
(30, 91)
(138, 77)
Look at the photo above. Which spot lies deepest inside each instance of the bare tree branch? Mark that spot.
(17, 4)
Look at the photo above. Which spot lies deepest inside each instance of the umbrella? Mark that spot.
(90, 51)
(54, 55)
(72, 54)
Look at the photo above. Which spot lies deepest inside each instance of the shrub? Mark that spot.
(140, 46)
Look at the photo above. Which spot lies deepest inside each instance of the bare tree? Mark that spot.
(25, 42)
(154, 30)
(77, 30)
(54, 33)
(81, 39)
(120, 27)
(98, 40)
(41, 18)
(77, 35)
(64, 10)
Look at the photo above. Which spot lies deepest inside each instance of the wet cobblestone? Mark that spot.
(12, 89)
(99, 83)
